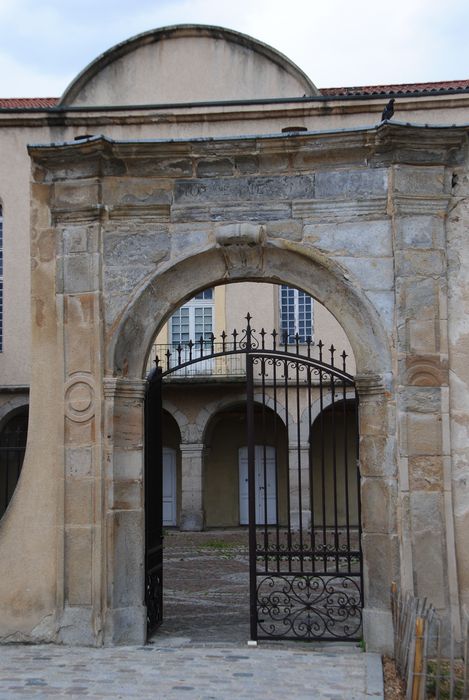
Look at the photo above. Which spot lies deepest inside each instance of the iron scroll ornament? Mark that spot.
(309, 607)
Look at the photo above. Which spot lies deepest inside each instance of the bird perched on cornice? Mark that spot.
(388, 111)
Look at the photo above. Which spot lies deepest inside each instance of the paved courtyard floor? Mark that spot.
(201, 649)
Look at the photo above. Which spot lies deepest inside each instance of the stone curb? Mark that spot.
(374, 676)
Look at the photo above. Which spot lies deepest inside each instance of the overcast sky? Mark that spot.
(44, 44)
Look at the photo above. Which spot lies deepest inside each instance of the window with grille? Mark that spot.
(296, 314)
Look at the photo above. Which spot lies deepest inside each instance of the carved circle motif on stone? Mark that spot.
(79, 399)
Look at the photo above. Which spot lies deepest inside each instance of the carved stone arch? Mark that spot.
(309, 270)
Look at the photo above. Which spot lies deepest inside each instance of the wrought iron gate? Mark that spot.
(304, 522)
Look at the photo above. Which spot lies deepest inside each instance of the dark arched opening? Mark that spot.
(13, 438)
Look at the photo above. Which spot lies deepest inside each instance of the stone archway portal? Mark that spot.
(305, 556)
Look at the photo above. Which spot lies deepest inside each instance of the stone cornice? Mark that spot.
(388, 143)
(408, 205)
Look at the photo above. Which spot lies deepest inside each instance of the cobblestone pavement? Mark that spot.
(201, 649)
(172, 672)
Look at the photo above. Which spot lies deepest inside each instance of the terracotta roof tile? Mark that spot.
(27, 102)
(398, 88)
(401, 88)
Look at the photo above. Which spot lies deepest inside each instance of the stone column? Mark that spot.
(192, 514)
(419, 208)
(298, 466)
(125, 613)
(378, 480)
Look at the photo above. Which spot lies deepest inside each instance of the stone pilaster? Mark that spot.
(380, 542)
(79, 298)
(419, 203)
(192, 513)
(125, 621)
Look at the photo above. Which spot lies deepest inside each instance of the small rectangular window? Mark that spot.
(296, 314)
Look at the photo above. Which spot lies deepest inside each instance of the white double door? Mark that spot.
(266, 485)
(169, 487)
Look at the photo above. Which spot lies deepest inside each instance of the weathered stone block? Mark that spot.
(136, 191)
(377, 456)
(78, 557)
(288, 229)
(127, 494)
(81, 273)
(428, 548)
(421, 399)
(159, 167)
(75, 239)
(128, 464)
(76, 626)
(381, 567)
(351, 183)
(419, 263)
(417, 300)
(423, 434)
(379, 505)
(126, 543)
(246, 165)
(365, 238)
(383, 301)
(79, 502)
(372, 273)
(143, 248)
(128, 422)
(419, 232)
(76, 193)
(418, 180)
(216, 167)
(422, 336)
(273, 163)
(126, 626)
(78, 461)
(425, 473)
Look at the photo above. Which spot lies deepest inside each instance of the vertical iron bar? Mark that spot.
(251, 495)
(311, 475)
(359, 506)
(334, 474)
(275, 437)
(298, 442)
(264, 466)
(346, 475)
(289, 537)
(323, 468)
